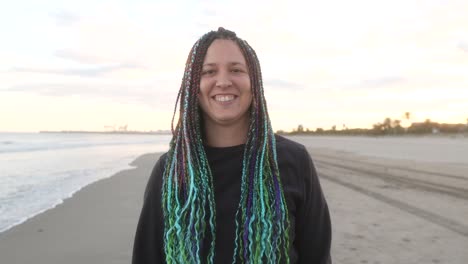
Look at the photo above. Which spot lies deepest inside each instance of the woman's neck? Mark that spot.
(226, 136)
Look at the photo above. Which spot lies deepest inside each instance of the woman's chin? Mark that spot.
(227, 120)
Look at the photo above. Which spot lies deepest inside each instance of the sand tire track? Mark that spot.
(454, 191)
(424, 214)
(403, 168)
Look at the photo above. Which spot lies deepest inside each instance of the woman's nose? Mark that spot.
(223, 80)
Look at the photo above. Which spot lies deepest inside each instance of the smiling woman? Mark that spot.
(229, 190)
(225, 94)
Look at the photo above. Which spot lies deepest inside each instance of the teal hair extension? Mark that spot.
(262, 223)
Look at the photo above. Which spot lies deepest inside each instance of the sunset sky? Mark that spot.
(83, 65)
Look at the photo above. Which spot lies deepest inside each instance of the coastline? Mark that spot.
(95, 225)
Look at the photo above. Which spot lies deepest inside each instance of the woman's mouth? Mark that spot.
(224, 97)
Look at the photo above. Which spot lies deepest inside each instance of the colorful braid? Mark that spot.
(262, 223)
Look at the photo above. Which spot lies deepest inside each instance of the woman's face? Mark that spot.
(225, 91)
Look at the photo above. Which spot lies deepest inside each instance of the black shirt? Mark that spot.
(307, 209)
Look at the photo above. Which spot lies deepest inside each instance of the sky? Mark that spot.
(92, 65)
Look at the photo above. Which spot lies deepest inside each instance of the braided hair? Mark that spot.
(262, 224)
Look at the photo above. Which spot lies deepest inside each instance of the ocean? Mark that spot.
(39, 170)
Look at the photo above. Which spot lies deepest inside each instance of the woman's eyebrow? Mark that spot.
(230, 63)
(237, 63)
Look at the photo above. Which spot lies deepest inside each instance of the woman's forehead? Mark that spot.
(224, 51)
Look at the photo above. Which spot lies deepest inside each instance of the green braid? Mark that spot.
(262, 223)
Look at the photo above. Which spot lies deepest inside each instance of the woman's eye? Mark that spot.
(237, 70)
(207, 72)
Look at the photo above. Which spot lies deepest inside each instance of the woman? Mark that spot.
(229, 190)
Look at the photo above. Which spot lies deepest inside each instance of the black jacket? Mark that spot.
(308, 211)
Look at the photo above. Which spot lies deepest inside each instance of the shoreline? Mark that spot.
(61, 201)
(95, 225)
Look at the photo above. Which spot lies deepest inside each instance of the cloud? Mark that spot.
(78, 57)
(65, 18)
(209, 13)
(148, 94)
(84, 72)
(282, 84)
(381, 82)
(463, 46)
(353, 87)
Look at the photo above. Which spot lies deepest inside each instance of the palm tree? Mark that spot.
(387, 124)
(408, 117)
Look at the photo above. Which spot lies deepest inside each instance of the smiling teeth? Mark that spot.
(224, 98)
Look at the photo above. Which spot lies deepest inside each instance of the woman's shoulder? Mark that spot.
(288, 147)
(162, 159)
(293, 156)
(155, 180)
(159, 162)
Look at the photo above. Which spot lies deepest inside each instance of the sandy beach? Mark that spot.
(96, 225)
(384, 210)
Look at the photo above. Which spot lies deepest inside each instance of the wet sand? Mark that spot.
(96, 225)
(384, 210)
